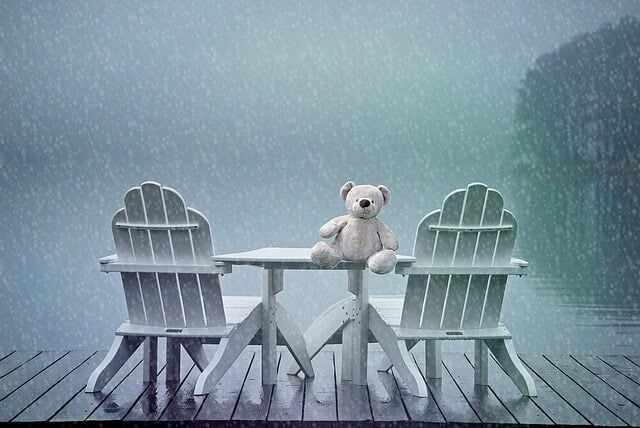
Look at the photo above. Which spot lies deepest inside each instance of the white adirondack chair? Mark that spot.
(172, 290)
(455, 288)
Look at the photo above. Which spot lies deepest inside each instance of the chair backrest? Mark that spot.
(471, 229)
(155, 227)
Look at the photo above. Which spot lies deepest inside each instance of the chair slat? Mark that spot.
(487, 240)
(151, 299)
(202, 244)
(475, 301)
(191, 299)
(425, 239)
(493, 302)
(472, 215)
(139, 238)
(177, 213)
(454, 303)
(434, 301)
(212, 299)
(446, 241)
(121, 237)
(133, 297)
(414, 301)
(506, 240)
(153, 202)
(171, 301)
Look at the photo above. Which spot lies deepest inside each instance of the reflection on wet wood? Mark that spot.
(572, 390)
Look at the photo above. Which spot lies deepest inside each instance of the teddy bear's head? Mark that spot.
(364, 201)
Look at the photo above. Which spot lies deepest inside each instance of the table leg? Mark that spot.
(355, 335)
(272, 283)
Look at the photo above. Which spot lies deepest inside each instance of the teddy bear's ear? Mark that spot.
(345, 189)
(386, 194)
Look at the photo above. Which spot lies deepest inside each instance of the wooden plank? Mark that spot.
(454, 305)
(598, 389)
(55, 398)
(487, 240)
(26, 371)
(384, 395)
(253, 403)
(177, 213)
(83, 404)
(524, 409)
(121, 399)
(414, 300)
(635, 359)
(450, 216)
(552, 404)
(421, 409)
(434, 301)
(201, 237)
(447, 396)
(493, 302)
(353, 400)
(320, 391)
(212, 299)
(155, 399)
(154, 207)
(4, 354)
(191, 300)
(484, 402)
(15, 360)
(184, 405)
(623, 365)
(35, 387)
(221, 401)
(571, 392)
(616, 380)
(151, 298)
(287, 397)
(475, 301)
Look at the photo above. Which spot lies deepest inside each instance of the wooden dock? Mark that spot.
(573, 390)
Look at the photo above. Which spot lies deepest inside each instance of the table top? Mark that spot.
(289, 258)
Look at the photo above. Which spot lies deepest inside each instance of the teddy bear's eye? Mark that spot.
(357, 200)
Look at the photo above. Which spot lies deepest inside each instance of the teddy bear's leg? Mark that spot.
(326, 256)
(382, 262)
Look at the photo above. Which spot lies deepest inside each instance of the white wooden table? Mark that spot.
(352, 317)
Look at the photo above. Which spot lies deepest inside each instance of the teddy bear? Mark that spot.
(359, 236)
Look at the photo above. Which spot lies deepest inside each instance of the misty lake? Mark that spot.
(258, 115)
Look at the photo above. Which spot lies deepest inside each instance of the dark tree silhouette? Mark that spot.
(581, 103)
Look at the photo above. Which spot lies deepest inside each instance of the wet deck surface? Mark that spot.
(573, 390)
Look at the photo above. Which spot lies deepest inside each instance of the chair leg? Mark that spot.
(121, 350)
(150, 360)
(294, 340)
(173, 359)
(228, 351)
(322, 328)
(385, 364)
(433, 358)
(481, 363)
(397, 352)
(506, 355)
(196, 351)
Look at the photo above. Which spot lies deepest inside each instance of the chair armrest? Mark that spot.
(113, 258)
(519, 263)
(111, 264)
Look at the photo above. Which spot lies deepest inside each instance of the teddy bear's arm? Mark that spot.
(334, 226)
(387, 237)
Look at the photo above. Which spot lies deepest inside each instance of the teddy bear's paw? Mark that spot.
(324, 256)
(382, 262)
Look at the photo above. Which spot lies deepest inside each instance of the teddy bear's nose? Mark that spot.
(364, 203)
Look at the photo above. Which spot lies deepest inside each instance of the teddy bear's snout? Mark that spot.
(364, 203)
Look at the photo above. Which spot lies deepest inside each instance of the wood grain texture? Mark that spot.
(524, 409)
(571, 392)
(320, 392)
(39, 384)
